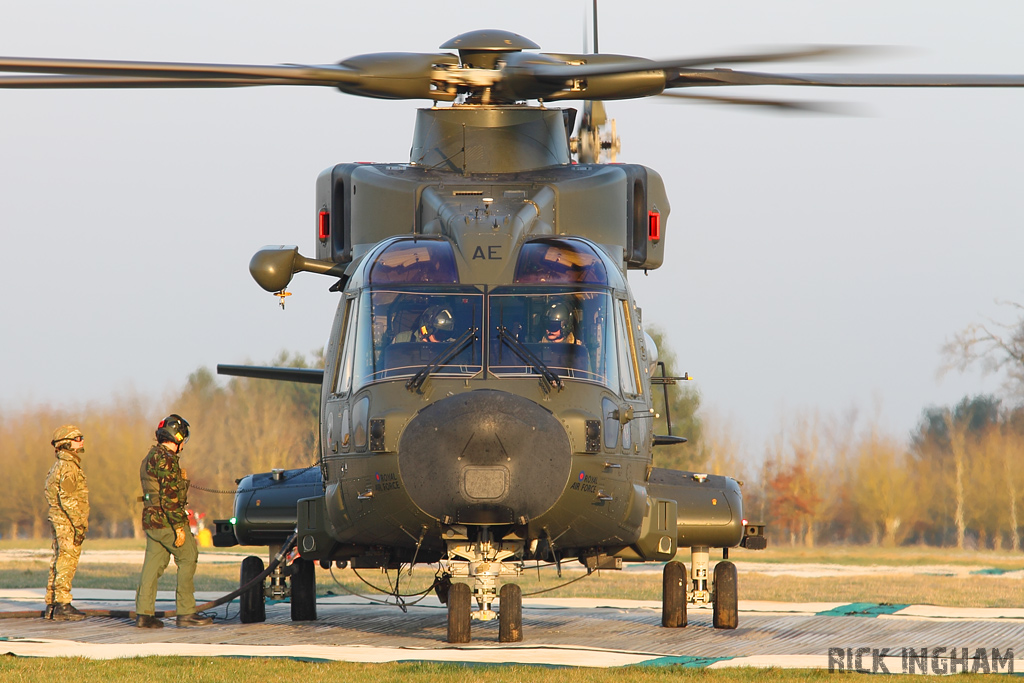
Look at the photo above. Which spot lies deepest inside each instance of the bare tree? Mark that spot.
(958, 443)
(996, 346)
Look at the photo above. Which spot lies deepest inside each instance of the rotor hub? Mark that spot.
(483, 48)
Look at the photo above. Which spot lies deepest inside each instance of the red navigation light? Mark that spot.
(653, 226)
(324, 226)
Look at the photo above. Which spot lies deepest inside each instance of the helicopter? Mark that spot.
(487, 395)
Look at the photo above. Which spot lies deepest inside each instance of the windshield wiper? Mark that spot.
(550, 378)
(446, 355)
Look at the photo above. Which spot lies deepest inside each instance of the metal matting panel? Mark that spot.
(635, 630)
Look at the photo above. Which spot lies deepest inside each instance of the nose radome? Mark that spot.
(484, 457)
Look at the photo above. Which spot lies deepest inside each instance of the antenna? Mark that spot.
(595, 28)
(585, 42)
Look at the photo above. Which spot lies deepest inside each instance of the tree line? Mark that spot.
(239, 427)
(955, 482)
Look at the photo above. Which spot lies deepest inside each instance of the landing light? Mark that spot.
(233, 520)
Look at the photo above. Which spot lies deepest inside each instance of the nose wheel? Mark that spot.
(510, 614)
(459, 617)
(484, 562)
(460, 614)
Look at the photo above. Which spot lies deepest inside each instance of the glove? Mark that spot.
(79, 536)
(179, 536)
(184, 474)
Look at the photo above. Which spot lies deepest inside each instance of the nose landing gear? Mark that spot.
(484, 561)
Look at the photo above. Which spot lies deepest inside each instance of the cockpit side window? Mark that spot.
(414, 261)
(345, 352)
(627, 351)
(559, 261)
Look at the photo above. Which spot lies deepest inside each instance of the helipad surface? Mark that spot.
(567, 632)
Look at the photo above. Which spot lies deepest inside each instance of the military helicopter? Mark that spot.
(487, 395)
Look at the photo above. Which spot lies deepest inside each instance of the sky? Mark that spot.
(814, 263)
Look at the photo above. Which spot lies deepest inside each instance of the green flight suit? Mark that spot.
(165, 500)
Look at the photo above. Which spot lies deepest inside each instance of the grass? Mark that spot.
(858, 555)
(974, 591)
(100, 544)
(224, 670)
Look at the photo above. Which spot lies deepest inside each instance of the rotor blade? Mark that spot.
(83, 82)
(326, 74)
(610, 65)
(388, 75)
(785, 106)
(305, 375)
(702, 77)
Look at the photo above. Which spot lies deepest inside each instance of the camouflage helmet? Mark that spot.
(172, 428)
(65, 433)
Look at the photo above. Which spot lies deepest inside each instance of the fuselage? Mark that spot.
(487, 375)
(484, 437)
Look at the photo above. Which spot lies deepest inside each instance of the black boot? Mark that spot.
(48, 614)
(193, 620)
(65, 612)
(148, 621)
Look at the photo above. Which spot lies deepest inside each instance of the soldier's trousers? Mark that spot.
(159, 549)
(64, 563)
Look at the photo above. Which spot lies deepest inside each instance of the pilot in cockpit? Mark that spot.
(436, 324)
(558, 324)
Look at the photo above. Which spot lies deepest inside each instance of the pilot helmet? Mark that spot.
(437, 320)
(173, 428)
(558, 319)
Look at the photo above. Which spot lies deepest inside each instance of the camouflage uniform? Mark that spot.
(68, 497)
(165, 497)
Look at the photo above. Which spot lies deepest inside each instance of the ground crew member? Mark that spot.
(68, 498)
(165, 521)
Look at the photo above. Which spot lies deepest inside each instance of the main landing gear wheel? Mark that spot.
(459, 599)
(252, 607)
(726, 596)
(303, 590)
(673, 595)
(510, 614)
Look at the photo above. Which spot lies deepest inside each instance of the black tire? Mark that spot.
(459, 599)
(252, 606)
(726, 600)
(510, 614)
(673, 595)
(303, 580)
